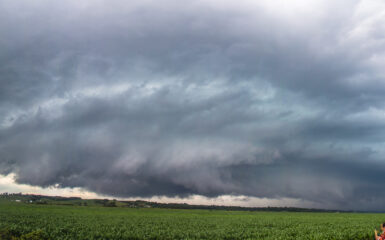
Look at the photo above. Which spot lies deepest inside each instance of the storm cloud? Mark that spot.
(269, 99)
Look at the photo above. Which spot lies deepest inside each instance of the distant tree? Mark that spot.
(110, 204)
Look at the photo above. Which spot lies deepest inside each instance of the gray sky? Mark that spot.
(202, 100)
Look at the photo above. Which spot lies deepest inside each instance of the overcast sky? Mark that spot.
(277, 100)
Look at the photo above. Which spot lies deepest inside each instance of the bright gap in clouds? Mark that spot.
(8, 184)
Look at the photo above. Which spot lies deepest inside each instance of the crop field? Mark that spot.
(33, 221)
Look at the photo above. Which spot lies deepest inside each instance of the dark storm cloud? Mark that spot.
(150, 99)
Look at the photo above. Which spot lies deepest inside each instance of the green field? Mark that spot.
(96, 222)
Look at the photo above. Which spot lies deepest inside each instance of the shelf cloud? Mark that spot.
(262, 99)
